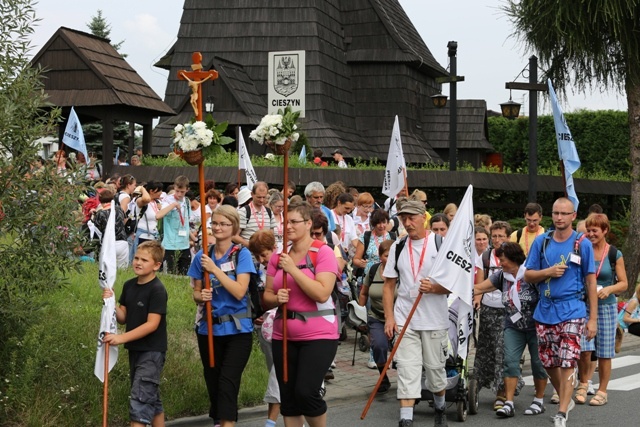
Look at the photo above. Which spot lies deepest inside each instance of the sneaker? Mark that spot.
(559, 421)
(323, 390)
(555, 398)
(440, 418)
(572, 405)
(333, 364)
(506, 411)
(405, 423)
(371, 364)
(590, 390)
(329, 375)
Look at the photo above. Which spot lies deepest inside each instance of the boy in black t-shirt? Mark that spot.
(143, 308)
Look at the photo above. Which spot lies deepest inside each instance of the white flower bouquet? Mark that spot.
(192, 136)
(277, 130)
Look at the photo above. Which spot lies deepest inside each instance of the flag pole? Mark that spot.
(390, 358)
(105, 386)
(285, 368)
(406, 182)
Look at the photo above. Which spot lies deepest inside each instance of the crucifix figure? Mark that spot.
(194, 79)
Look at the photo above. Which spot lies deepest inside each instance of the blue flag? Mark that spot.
(303, 155)
(73, 136)
(566, 147)
(115, 160)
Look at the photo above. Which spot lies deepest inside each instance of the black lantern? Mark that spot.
(510, 109)
(208, 106)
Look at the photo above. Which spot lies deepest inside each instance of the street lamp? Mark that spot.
(533, 87)
(440, 101)
(510, 109)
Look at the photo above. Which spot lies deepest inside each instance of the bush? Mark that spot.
(58, 353)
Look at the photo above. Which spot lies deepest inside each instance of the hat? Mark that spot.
(412, 207)
(244, 196)
(337, 151)
(270, 156)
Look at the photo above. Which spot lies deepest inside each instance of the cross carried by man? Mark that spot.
(195, 78)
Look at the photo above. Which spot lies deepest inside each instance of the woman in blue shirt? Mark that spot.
(229, 267)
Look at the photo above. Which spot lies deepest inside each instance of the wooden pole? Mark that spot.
(205, 249)
(390, 358)
(105, 386)
(285, 368)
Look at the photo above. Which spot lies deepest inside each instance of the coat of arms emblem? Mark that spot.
(286, 74)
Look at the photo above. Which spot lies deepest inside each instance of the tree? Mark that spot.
(593, 42)
(38, 209)
(101, 28)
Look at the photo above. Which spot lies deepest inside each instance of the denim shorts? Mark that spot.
(145, 368)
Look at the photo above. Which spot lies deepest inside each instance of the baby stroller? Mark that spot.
(462, 386)
(357, 319)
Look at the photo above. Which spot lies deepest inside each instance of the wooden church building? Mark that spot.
(365, 64)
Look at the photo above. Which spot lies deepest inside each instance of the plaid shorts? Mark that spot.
(559, 345)
(605, 341)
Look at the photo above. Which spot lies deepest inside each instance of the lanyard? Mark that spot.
(496, 260)
(280, 228)
(181, 217)
(424, 251)
(604, 251)
(342, 226)
(253, 210)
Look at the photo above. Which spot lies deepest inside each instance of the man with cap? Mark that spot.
(253, 212)
(337, 156)
(425, 342)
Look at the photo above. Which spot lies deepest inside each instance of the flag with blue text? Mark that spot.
(106, 278)
(454, 269)
(396, 166)
(244, 161)
(73, 136)
(566, 147)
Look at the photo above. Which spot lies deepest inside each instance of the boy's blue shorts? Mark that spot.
(145, 368)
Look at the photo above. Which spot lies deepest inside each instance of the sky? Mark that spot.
(487, 54)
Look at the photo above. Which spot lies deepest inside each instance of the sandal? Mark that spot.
(506, 411)
(600, 399)
(499, 403)
(535, 408)
(581, 394)
(555, 398)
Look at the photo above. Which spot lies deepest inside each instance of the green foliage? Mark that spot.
(58, 353)
(601, 138)
(38, 220)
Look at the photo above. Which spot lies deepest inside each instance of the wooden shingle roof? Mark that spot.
(472, 127)
(86, 71)
(365, 63)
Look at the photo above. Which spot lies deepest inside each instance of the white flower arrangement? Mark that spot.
(192, 136)
(277, 128)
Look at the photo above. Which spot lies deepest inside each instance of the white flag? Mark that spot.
(396, 166)
(73, 136)
(106, 279)
(454, 269)
(244, 162)
(303, 155)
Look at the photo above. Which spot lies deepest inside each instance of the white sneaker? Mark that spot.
(590, 390)
(333, 364)
(371, 364)
(559, 421)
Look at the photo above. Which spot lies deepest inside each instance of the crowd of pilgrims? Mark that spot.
(337, 236)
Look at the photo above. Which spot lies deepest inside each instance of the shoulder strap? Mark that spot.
(519, 234)
(580, 236)
(372, 272)
(393, 235)
(613, 254)
(547, 238)
(329, 237)
(269, 213)
(311, 259)
(399, 247)
(247, 209)
(367, 240)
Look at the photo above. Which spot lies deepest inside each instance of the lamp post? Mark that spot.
(440, 101)
(510, 111)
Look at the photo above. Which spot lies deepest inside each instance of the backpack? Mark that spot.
(359, 271)
(247, 209)
(131, 220)
(255, 307)
(401, 244)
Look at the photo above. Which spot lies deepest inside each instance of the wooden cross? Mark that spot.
(195, 78)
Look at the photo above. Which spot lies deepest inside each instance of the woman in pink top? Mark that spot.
(312, 325)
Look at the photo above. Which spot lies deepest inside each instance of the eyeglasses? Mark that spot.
(366, 207)
(295, 221)
(425, 202)
(316, 234)
(220, 224)
(562, 213)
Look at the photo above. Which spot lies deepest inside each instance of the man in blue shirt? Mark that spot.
(562, 265)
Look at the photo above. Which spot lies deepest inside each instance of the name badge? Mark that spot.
(598, 288)
(182, 233)
(413, 293)
(227, 266)
(575, 258)
(514, 318)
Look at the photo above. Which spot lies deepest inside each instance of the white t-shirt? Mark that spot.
(494, 298)
(432, 312)
(148, 221)
(392, 211)
(348, 231)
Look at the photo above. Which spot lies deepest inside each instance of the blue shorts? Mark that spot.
(145, 369)
(604, 343)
